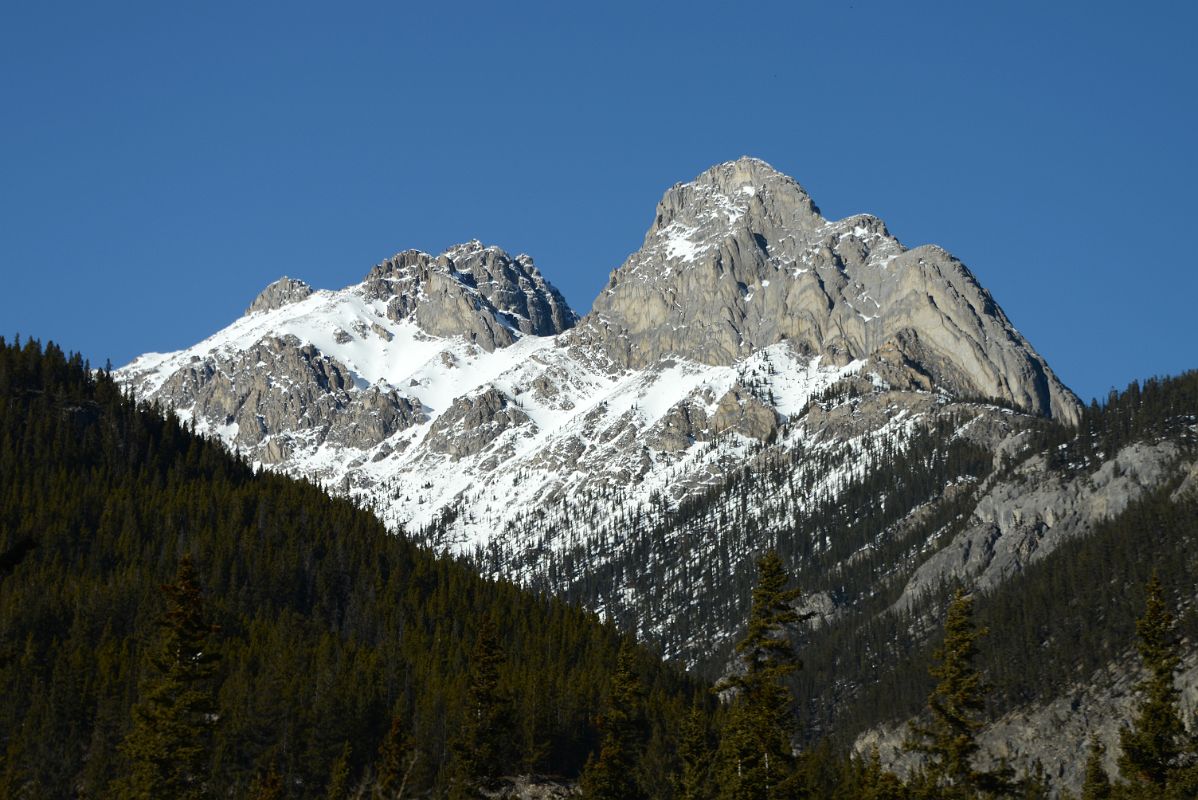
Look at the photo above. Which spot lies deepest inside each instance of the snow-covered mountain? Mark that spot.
(463, 400)
(754, 376)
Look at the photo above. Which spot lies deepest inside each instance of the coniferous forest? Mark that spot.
(326, 653)
(174, 623)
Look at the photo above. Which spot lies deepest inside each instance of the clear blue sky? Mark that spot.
(161, 162)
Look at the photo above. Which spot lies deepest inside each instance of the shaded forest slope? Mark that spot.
(329, 626)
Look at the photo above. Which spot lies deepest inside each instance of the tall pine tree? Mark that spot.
(694, 755)
(948, 739)
(611, 773)
(1096, 785)
(1157, 755)
(398, 759)
(169, 745)
(756, 759)
(482, 747)
(339, 775)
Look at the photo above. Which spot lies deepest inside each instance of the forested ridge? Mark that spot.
(1053, 624)
(332, 634)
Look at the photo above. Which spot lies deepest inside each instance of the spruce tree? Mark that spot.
(756, 757)
(1155, 750)
(268, 785)
(1096, 785)
(611, 773)
(482, 748)
(877, 783)
(694, 756)
(398, 757)
(948, 739)
(1034, 785)
(339, 775)
(169, 745)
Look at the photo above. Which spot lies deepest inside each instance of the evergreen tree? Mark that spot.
(694, 755)
(1096, 785)
(169, 745)
(611, 773)
(948, 740)
(398, 757)
(483, 749)
(1034, 785)
(339, 775)
(268, 785)
(877, 783)
(756, 757)
(1155, 750)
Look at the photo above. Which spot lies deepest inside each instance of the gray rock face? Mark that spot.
(688, 422)
(372, 417)
(280, 293)
(1024, 519)
(470, 290)
(279, 388)
(683, 425)
(1058, 733)
(473, 422)
(744, 413)
(740, 258)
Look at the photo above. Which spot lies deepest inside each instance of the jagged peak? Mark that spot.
(738, 192)
(471, 247)
(470, 289)
(740, 258)
(282, 292)
(448, 260)
(743, 171)
(476, 249)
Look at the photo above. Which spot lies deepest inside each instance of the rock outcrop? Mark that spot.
(283, 291)
(1056, 734)
(470, 290)
(472, 422)
(280, 387)
(1025, 517)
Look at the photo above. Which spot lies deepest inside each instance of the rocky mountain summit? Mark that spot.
(740, 259)
(753, 376)
(283, 291)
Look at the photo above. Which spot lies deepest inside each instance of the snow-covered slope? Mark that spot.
(491, 435)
